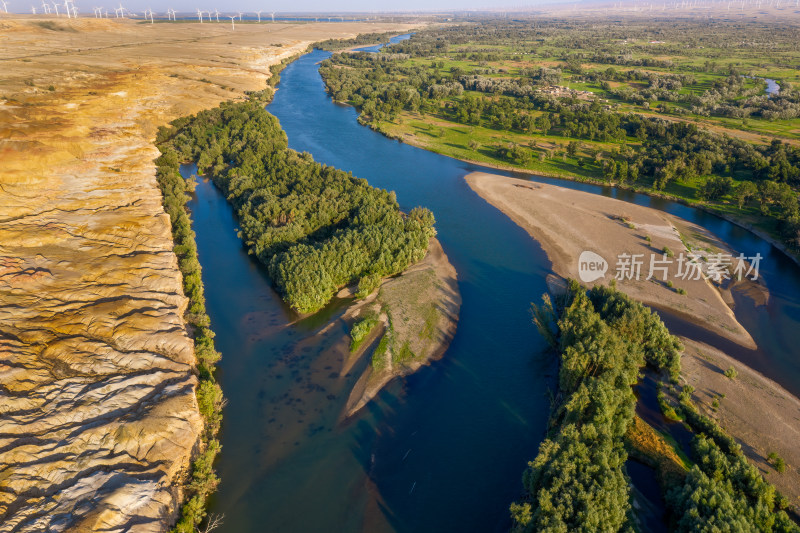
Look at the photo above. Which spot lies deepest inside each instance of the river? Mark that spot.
(444, 449)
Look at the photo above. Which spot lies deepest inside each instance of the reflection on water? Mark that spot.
(650, 506)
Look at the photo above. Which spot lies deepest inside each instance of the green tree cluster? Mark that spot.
(316, 228)
(361, 329)
(577, 481)
(722, 491)
(660, 152)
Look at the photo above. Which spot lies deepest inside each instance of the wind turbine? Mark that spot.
(147, 12)
(233, 26)
(56, 8)
(200, 15)
(5, 6)
(66, 7)
(33, 9)
(259, 16)
(240, 15)
(45, 7)
(74, 11)
(273, 16)
(216, 12)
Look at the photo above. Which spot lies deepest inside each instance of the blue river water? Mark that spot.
(444, 449)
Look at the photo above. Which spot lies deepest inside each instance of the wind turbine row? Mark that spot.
(208, 15)
(71, 11)
(69, 8)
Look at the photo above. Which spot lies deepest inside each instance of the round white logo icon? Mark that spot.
(591, 266)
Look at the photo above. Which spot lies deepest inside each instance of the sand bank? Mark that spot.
(419, 311)
(567, 222)
(758, 412)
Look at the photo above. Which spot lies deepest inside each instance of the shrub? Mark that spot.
(668, 410)
(777, 462)
(731, 373)
(361, 330)
(379, 355)
(367, 284)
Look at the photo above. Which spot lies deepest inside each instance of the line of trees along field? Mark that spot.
(577, 482)
(316, 228)
(362, 39)
(754, 180)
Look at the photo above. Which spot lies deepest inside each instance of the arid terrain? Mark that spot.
(99, 419)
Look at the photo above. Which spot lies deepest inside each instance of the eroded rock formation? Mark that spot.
(98, 414)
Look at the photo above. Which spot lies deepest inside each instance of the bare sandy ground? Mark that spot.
(98, 418)
(422, 307)
(762, 416)
(567, 223)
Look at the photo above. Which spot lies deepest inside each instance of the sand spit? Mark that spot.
(762, 416)
(99, 419)
(421, 308)
(567, 222)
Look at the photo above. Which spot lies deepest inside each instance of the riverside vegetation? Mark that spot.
(675, 109)
(315, 227)
(362, 39)
(203, 480)
(577, 482)
(174, 190)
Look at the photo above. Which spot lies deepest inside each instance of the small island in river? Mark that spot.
(407, 323)
(322, 233)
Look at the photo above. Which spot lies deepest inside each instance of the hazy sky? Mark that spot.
(85, 6)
